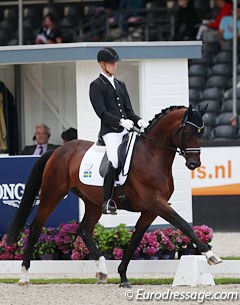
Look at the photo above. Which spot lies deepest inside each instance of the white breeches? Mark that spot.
(112, 141)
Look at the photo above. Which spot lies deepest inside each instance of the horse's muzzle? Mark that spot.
(192, 163)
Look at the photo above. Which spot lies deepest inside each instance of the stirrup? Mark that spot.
(109, 207)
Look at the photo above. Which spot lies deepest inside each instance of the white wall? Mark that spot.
(152, 85)
(50, 98)
(164, 83)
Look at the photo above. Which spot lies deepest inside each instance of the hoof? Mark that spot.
(212, 258)
(101, 277)
(22, 283)
(125, 285)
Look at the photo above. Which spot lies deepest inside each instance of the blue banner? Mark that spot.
(14, 172)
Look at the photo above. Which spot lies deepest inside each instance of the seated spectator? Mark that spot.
(225, 31)
(41, 137)
(49, 32)
(130, 11)
(69, 135)
(208, 31)
(185, 20)
(111, 7)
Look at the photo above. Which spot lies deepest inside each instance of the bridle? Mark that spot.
(182, 151)
(189, 150)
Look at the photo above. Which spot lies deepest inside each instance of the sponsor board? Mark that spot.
(219, 173)
(13, 176)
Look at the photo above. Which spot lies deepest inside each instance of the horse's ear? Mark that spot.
(190, 109)
(186, 115)
(203, 109)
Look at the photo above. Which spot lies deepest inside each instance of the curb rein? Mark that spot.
(182, 151)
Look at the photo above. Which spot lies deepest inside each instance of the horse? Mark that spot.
(148, 188)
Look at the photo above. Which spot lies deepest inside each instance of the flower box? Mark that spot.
(64, 244)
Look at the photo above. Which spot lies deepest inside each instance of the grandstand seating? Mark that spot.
(210, 77)
(210, 82)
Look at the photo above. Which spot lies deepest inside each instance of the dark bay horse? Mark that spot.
(148, 187)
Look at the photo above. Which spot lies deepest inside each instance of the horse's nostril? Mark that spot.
(192, 166)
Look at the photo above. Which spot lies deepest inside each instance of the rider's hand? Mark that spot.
(142, 124)
(128, 124)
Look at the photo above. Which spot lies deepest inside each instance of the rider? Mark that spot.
(110, 100)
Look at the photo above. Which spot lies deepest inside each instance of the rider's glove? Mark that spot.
(128, 124)
(142, 124)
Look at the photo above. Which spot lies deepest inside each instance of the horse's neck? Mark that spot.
(153, 159)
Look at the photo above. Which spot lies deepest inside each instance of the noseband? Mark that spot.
(189, 150)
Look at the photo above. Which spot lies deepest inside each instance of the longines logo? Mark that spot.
(11, 194)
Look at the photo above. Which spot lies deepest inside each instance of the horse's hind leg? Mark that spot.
(92, 214)
(49, 199)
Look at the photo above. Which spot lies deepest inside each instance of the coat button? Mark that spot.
(120, 110)
(122, 116)
(117, 98)
(119, 104)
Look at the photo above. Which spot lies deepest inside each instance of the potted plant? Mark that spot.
(166, 245)
(46, 247)
(6, 252)
(112, 242)
(80, 251)
(148, 246)
(65, 239)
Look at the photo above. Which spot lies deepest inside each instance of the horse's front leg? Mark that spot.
(143, 223)
(169, 214)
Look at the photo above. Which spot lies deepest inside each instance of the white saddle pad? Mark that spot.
(89, 168)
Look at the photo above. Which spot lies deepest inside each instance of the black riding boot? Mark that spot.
(109, 205)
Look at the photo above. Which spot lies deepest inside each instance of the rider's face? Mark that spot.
(109, 67)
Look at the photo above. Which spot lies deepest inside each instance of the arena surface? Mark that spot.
(74, 294)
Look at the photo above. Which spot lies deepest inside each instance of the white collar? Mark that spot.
(109, 78)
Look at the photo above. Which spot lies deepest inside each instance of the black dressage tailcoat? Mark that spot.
(111, 105)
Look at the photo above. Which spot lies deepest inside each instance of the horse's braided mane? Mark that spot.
(161, 114)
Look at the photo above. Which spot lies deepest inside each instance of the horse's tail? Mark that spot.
(31, 189)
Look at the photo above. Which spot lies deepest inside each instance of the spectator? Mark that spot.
(41, 137)
(49, 32)
(69, 134)
(111, 7)
(208, 31)
(225, 31)
(186, 20)
(131, 12)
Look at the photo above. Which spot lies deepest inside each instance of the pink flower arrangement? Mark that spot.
(80, 250)
(164, 240)
(9, 252)
(117, 253)
(204, 233)
(148, 245)
(66, 237)
(111, 242)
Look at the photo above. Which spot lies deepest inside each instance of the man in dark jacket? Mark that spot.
(41, 137)
(111, 102)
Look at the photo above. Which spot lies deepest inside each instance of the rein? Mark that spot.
(181, 151)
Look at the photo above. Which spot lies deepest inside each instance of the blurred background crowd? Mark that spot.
(114, 20)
